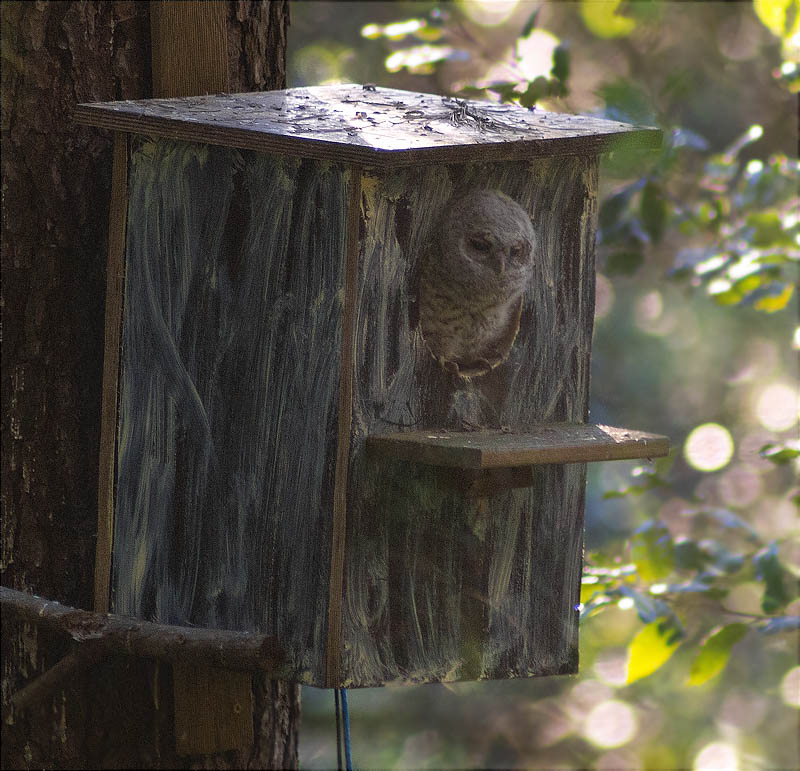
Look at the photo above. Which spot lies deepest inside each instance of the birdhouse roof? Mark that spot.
(368, 125)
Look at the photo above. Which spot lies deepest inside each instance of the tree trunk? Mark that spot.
(56, 189)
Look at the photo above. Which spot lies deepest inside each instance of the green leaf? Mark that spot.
(601, 19)
(650, 649)
(769, 570)
(507, 91)
(723, 560)
(781, 17)
(654, 211)
(560, 69)
(688, 555)
(652, 551)
(648, 608)
(778, 454)
(768, 230)
(625, 262)
(715, 652)
(530, 24)
(473, 92)
(775, 301)
(537, 89)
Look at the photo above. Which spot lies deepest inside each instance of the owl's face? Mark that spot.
(472, 281)
(489, 238)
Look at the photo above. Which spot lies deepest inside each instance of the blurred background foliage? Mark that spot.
(689, 641)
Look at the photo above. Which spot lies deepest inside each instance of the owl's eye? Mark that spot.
(479, 244)
(518, 252)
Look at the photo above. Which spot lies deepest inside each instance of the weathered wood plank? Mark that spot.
(557, 443)
(339, 527)
(115, 270)
(229, 394)
(189, 48)
(382, 127)
(441, 584)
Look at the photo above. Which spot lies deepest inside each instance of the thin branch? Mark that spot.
(48, 682)
(242, 651)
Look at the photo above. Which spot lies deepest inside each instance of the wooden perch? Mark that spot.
(491, 449)
(243, 651)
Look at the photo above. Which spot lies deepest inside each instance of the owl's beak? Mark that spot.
(500, 264)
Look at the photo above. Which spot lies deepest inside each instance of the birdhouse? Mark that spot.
(347, 377)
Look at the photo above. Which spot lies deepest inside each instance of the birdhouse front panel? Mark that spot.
(348, 404)
(442, 583)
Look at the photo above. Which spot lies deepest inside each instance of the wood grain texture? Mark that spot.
(108, 411)
(440, 584)
(229, 393)
(338, 556)
(554, 443)
(189, 47)
(385, 127)
(213, 710)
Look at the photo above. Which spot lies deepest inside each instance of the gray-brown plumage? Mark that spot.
(471, 281)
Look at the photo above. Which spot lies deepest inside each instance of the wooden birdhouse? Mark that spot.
(347, 377)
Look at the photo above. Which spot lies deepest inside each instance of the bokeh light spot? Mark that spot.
(604, 298)
(740, 486)
(777, 407)
(649, 307)
(611, 667)
(754, 167)
(708, 447)
(610, 724)
(489, 13)
(790, 688)
(717, 756)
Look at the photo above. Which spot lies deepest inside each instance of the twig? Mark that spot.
(242, 651)
(49, 681)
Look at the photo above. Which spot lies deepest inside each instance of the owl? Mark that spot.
(471, 280)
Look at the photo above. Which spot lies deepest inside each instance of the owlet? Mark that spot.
(471, 281)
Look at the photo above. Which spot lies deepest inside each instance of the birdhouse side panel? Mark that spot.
(229, 393)
(442, 584)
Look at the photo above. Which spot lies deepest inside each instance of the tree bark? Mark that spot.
(56, 189)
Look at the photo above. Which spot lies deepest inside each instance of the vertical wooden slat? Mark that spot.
(190, 49)
(333, 668)
(213, 708)
(108, 432)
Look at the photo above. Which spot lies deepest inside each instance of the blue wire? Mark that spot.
(346, 723)
(338, 731)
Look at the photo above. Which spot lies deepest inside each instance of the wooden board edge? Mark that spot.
(115, 279)
(657, 447)
(631, 446)
(345, 419)
(326, 150)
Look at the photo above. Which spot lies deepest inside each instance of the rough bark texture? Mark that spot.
(56, 189)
